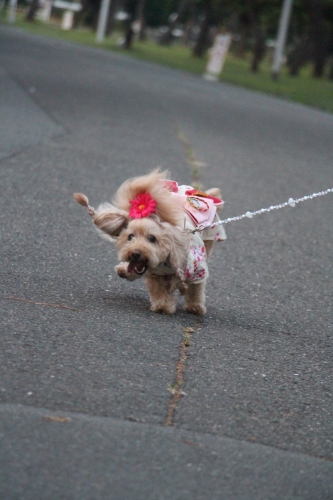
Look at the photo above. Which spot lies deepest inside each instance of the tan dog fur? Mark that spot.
(147, 245)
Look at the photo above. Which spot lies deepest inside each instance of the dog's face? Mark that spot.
(142, 239)
(144, 243)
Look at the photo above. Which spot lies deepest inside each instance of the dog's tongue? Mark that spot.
(131, 267)
(135, 267)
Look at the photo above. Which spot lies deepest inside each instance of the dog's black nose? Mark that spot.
(136, 254)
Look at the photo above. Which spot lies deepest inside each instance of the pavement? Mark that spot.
(99, 397)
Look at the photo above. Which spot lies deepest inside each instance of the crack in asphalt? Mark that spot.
(176, 387)
(57, 306)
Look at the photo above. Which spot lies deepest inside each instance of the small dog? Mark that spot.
(152, 221)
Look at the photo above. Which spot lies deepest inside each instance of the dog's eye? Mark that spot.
(130, 237)
(152, 238)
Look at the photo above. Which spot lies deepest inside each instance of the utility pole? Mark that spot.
(102, 20)
(281, 39)
(12, 11)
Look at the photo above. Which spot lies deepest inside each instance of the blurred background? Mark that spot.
(180, 34)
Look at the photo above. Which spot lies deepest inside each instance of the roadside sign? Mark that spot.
(217, 56)
(74, 6)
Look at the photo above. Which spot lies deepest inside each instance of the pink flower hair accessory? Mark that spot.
(142, 206)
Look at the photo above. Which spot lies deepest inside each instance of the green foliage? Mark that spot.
(157, 12)
(303, 89)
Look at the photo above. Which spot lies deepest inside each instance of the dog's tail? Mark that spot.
(217, 194)
(83, 200)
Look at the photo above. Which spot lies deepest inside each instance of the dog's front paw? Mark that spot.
(122, 271)
(197, 309)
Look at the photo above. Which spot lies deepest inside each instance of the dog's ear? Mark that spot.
(217, 194)
(107, 218)
(110, 220)
(83, 200)
(214, 192)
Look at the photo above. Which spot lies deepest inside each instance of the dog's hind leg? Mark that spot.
(195, 298)
(161, 295)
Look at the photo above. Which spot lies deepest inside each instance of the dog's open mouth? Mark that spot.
(137, 267)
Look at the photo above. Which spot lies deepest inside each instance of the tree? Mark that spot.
(111, 20)
(318, 36)
(313, 38)
(32, 10)
(212, 15)
(259, 47)
(141, 19)
(173, 20)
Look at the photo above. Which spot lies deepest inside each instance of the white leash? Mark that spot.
(290, 203)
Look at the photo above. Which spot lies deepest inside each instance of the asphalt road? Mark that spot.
(88, 375)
